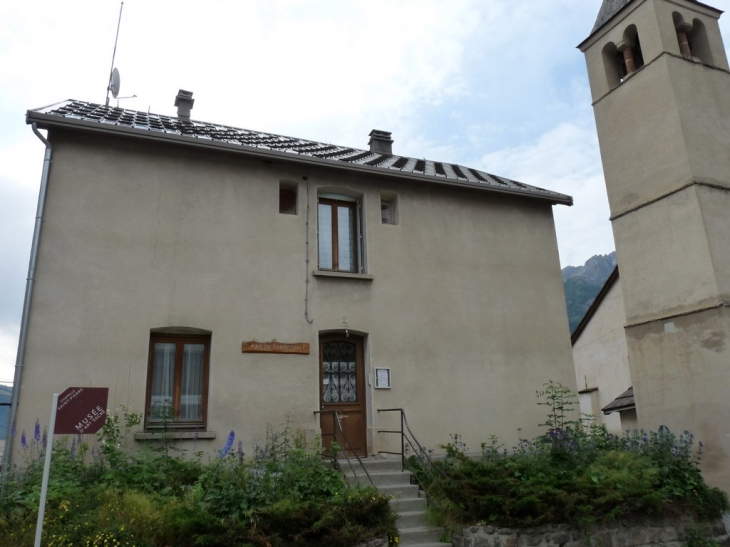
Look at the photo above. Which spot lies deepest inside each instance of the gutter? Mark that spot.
(22, 339)
(47, 120)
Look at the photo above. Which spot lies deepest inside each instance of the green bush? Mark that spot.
(574, 473)
(283, 495)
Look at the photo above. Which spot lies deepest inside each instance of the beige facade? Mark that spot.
(461, 298)
(601, 359)
(664, 132)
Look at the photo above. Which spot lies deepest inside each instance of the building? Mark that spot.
(218, 278)
(601, 360)
(660, 86)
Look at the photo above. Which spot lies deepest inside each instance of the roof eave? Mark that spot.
(45, 121)
(621, 408)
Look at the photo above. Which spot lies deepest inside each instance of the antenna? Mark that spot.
(114, 81)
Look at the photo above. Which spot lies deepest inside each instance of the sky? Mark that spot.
(496, 85)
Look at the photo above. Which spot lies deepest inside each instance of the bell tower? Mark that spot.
(660, 85)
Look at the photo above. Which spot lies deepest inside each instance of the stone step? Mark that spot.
(409, 504)
(419, 535)
(400, 491)
(411, 519)
(380, 478)
(374, 464)
(391, 480)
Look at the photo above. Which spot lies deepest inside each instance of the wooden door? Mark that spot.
(342, 389)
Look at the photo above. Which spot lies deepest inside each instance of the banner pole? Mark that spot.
(46, 472)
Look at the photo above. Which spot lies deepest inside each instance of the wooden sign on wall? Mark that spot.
(301, 348)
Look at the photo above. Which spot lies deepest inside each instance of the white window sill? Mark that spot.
(345, 275)
(175, 435)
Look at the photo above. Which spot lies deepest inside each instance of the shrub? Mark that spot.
(281, 495)
(572, 473)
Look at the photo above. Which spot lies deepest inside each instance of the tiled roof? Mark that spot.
(625, 401)
(82, 114)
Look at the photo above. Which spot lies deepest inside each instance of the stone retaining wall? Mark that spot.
(379, 542)
(625, 533)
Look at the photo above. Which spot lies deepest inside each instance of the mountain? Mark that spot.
(583, 283)
(5, 393)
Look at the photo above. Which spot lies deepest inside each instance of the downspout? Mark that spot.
(20, 358)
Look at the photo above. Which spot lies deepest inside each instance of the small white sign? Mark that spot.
(382, 378)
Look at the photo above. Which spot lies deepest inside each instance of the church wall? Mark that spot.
(600, 357)
(665, 260)
(715, 205)
(637, 165)
(683, 382)
(664, 132)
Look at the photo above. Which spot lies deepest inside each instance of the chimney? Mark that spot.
(380, 142)
(184, 103)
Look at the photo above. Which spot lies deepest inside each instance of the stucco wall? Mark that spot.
(667, 260)
(686, 386)
(465, 305)
(601, 358)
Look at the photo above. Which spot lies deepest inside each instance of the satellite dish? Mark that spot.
(115, 83)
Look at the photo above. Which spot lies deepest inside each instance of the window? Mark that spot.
(177, 381)
(339, 234)
(386, 211)
(287, 198)
(388, 208)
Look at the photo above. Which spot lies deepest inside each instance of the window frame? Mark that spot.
(176, 423)
(356, 242)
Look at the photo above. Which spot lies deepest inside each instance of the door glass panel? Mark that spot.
(191, 387)
(339, 372)
(346, 238)
(325, 236)
(163, 378)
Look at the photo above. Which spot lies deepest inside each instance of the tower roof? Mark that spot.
(609, 8)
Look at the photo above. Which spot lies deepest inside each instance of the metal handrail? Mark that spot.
(345, 445)
(404, 427)
(412, 441)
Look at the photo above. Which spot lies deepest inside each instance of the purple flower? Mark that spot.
(37, 431)
(44, 440)
(229, 444)
(23, 440)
